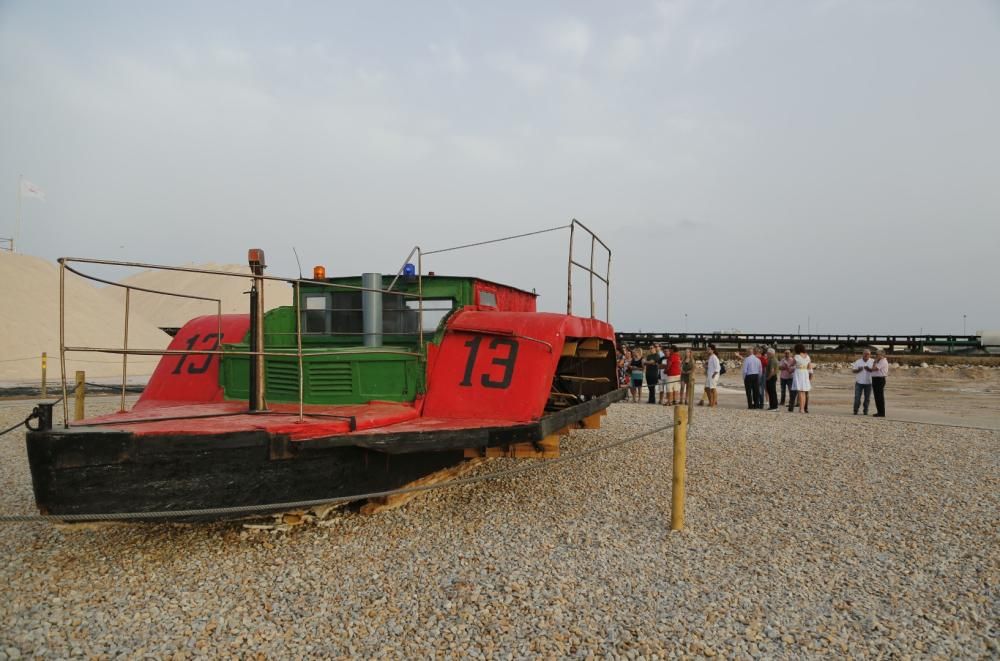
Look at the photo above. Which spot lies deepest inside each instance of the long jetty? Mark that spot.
(893, 343)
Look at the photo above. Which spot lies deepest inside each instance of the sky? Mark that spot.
(763, 166)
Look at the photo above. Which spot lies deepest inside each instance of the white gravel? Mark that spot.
(807, 536)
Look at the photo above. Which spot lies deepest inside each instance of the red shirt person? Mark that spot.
(673, 377)
(674, 364)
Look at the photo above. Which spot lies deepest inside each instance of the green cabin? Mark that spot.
(362, 337)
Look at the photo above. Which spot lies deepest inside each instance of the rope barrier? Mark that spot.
(303, 504)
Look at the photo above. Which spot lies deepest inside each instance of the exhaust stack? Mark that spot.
(371, 308)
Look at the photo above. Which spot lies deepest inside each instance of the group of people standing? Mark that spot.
(667, 375)
(665, 372)
(762, 371)
(869, 376)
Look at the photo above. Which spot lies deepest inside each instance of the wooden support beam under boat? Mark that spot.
(385, 503)
(547, 448)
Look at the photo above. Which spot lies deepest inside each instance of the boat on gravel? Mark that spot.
(364, 384)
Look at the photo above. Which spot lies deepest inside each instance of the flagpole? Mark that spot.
(17, 230)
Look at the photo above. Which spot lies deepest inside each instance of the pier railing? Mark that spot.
(949, 344)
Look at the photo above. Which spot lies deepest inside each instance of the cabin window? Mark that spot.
(435, 309)
(397, 316)
(487, 298)
(315, 314)
(336, 313)
(339, 313)
(347, 317)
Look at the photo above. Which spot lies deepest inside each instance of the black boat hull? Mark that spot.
(80, 471)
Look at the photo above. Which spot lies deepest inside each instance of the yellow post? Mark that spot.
(45, 365)
(680, 461)
(78, 396)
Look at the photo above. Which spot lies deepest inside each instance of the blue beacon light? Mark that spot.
(409, 270)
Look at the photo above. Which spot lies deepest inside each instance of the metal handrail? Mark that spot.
(606, 278)
(574, 223)
(296, 283)
(128, 291)
(125, 351)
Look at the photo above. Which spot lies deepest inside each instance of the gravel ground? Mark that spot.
(807, 536)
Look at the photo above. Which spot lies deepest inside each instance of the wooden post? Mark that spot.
(680, 460)
(45, 385)
(79, 395)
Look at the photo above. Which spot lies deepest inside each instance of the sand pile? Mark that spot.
(29, 296)
(173, 311)
(29, 324)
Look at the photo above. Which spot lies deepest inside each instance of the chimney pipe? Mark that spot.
(371, 308)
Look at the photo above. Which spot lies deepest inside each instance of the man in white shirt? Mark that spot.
(752, 368)
(713, 369)
(862, 368)
(879, 374)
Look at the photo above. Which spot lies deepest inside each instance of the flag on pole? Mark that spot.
(29, 189)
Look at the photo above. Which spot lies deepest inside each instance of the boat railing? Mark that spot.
(589, 268)
(125, 350)
(257, 353)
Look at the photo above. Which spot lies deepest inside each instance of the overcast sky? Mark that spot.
(762, 166)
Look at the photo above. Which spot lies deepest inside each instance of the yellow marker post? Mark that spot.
(78, 396)
(45, 365)
(680, 462)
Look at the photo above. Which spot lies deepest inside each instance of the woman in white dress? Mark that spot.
(800, 377)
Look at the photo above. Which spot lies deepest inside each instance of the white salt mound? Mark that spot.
(171, 311)
(29, 324)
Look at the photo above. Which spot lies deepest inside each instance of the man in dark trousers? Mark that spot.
(879, 374)
(772, 380)
(751, 379)
(652, 363)
(862, 368)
